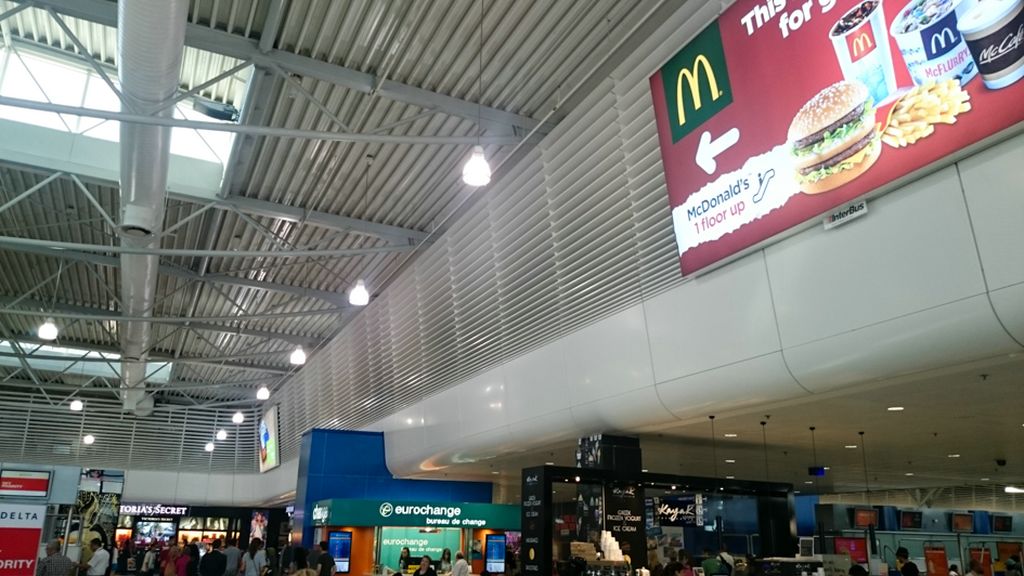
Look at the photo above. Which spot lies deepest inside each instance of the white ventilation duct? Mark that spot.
(151, 39)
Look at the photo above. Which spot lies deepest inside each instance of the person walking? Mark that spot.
(99, 561)
(251, 561)
(214, 562)
(55, 563)
(232, 557)
(324, 561)
(461, 567)
(313, 557)
(151, 560)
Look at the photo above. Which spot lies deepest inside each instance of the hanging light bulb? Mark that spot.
(77, 406)
(359, 295)
(238, 418)
(298, 356)
(476, 171)
(48, 330)
(263, 393)
(209, 447)
(88, 439)
(222, 434)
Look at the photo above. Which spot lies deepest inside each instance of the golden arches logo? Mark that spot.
(862, 43)
(692, 77)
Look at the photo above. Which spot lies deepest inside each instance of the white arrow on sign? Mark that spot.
(708, 149)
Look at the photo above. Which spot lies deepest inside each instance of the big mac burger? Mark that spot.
(833, 137)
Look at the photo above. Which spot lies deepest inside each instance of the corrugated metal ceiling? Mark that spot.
(491, 268)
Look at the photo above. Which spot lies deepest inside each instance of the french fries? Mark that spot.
(915, 115)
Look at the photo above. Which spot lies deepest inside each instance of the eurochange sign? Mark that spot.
(782, 111)
(415, 514)
(21, 528)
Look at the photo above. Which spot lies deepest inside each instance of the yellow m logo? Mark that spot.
(693, 83)
(862, 44)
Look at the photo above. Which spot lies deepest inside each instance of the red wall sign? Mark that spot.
(24, 483)
(21, 528)
(935, 561)
(784, 110)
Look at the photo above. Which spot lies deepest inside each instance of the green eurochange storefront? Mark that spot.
(365, 536)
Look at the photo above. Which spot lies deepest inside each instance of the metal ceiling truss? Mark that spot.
(263, 54)
(88, 314)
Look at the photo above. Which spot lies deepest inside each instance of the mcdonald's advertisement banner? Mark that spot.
(782, 111)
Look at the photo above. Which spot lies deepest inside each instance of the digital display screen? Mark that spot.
(910, 520)
(258, 525)
(267, 441)
(962, 523)
(865, 517)
(1002, 523)
(857, 548)
(495, 553)
(339, 544)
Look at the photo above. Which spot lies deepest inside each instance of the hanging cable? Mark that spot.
(764, 443)
(864, 459)
(714, 445)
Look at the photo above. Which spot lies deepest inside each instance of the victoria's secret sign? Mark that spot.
(153, 510)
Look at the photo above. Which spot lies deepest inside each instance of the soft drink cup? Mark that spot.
(862, 48)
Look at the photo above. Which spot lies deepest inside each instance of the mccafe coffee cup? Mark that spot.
(994, 31)
(862, 49)
(927, 35)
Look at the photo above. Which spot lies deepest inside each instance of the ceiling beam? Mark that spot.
(103, 314)
(173, 271)
(219, 42)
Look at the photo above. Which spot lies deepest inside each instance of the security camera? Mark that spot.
(1000, 461)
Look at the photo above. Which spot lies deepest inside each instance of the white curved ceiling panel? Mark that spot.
(994, 191)
(735, 386)
(630, 410)
(537, 383)
(712, 321)
(945, 336)
(482, 403)
(912, 251)
(1008, 304)
(608, 357)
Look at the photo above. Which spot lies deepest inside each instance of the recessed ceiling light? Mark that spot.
(673, 487)
(730, 477)
(495, 472)
(549, 463)
(577, 478)
(850, 446)
(909, 474)
(895, 408)
(222, 434)
(952, 455)
(208, 447)
(1013, 490)
(796, 491)
(985, 479)
(238, 418)
(808, 482)
(731, 435)
(730, 461)
(644, 470)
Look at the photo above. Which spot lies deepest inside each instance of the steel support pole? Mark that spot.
(257, 130)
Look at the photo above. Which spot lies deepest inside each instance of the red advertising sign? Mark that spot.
(21, 528)
(24, 483)
(984, 557)
(935, 561)
(780, 112)
(856, 548)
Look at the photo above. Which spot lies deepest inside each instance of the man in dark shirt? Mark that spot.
(214, 563)
(906, 567)
(325, 562)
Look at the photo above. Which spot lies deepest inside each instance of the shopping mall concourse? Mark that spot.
(511, 287)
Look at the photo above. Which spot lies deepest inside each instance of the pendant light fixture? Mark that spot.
(48, 330)
(476, 171)
(222, 434)
(298, 356)
(77, 406)
(238, 418)
(263, 393)
(359, 295)
(209, 447)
